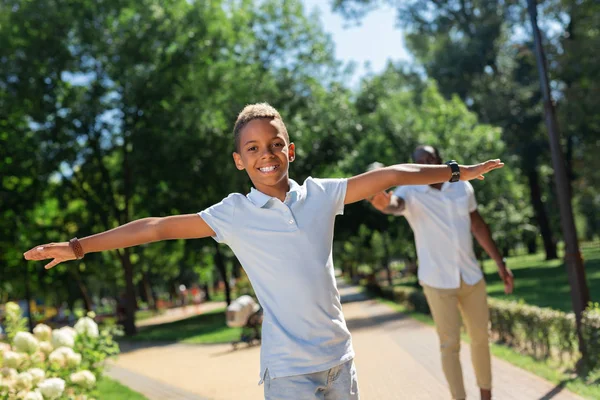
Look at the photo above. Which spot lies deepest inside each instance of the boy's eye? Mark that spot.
(278, 144)
(252, 148)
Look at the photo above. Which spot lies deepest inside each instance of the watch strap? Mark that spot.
(76, 247)
(455, 177)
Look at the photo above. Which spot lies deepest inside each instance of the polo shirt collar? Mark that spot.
(427, 188)
(260, 199)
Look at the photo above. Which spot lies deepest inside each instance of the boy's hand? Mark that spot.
(381, 200)
(58, 251)
(469, 172)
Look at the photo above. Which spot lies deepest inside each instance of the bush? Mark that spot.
(539, 332)
(62, 363)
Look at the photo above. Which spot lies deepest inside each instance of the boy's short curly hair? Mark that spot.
(257, 111)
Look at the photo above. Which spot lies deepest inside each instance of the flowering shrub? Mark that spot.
(54, 364)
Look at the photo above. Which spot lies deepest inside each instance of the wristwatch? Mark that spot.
(455, 171)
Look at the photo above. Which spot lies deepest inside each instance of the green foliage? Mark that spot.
(60, 363)
(13, 320)
(539, 332)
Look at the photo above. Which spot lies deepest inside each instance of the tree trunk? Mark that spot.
(148, 291)
(386, 259)
(206, 291)
(85, 296)
(540, 214)
(220, 264)
(28, 298)
(130, 300)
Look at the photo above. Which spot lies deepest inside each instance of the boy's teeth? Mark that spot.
(267, 169)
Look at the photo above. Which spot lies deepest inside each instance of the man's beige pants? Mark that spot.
(471, 302)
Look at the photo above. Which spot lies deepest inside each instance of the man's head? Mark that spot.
(262, 145)
(425, 154)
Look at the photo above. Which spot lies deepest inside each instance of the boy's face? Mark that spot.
(264, 153)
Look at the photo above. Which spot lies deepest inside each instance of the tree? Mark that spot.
(468, 47)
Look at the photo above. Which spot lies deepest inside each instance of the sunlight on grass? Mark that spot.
(545, 283)
(110, 389)
(205, 328)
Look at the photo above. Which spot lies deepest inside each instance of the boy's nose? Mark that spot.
(268, 152)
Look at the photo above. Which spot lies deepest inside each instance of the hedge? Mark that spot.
(539, 332)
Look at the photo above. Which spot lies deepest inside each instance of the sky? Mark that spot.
(375, 41)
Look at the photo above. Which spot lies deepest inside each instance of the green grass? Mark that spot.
(537, 281)
(588, 387)
(110, 389)
(545, 283)
(205, 328)
(145, 314)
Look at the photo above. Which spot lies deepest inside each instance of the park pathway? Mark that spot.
(397, 358)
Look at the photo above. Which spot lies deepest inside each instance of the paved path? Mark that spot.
(397, 358)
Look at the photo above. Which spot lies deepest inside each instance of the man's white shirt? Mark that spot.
(441, 222)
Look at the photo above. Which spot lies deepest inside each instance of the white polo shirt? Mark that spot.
(441, 222)
(285, 248)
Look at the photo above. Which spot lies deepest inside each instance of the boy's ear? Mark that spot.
(291, 152)
(237, 159)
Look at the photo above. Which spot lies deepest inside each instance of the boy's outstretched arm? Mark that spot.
(146, 230)
(365, 185)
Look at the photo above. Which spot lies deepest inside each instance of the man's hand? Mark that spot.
(381, 200)
(507, 277)
(469, 172)
(58, 251)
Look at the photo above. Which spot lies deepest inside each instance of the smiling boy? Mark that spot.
(282, 233)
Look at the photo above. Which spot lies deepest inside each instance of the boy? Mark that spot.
(282, 233)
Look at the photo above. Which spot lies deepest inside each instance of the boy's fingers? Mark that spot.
(37, 253)
(52, 263)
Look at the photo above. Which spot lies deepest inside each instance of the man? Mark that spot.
(442, 217)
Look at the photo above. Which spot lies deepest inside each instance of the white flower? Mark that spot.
(37, 375)
(5, 386)
(70, 331)
(73, 359)
(33, 396)
(46, 347)
(4, 347)
(65, 356)
(25, 342)
(9, 373)
(12, 308)
(52, 388)
(12, 359)
(62, 338)
(42, 332)
(84, 379)
(24, 381)
(87, 326)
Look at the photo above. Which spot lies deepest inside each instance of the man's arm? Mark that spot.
(366, 185)
(146, 230)
(482, 233)
(388, 203)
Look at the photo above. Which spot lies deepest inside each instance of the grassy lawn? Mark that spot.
(539, 282)
(205, 328)
(110, 389)
(545, 283)
(587, 387)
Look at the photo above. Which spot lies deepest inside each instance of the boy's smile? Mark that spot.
(265, 154)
